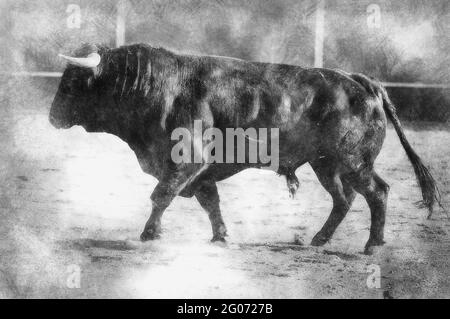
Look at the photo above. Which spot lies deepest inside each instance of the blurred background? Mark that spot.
(402, 41)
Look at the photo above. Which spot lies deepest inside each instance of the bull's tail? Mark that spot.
(430, 191)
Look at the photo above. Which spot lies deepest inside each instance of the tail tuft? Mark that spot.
(430, 192)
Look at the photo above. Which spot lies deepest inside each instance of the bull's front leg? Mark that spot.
(208, 197)
(162, 196)
(173, 182)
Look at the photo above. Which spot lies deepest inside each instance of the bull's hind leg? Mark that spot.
(208, 197)
(375, 191)
(342, 194)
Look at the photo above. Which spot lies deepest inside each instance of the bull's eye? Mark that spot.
(75, 87)
(75, 81)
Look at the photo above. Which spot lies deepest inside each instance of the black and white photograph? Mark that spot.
(226, 150)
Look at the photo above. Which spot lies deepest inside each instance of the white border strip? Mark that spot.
(34, 74)
(386, 84)
(416, 85)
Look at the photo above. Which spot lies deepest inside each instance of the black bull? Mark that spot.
(332, 120)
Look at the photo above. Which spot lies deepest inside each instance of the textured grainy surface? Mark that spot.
(69, 197)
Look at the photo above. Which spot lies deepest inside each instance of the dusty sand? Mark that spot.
(73, 198)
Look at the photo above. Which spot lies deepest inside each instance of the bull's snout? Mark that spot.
(57, 120)
(53, 121)
(59, 116)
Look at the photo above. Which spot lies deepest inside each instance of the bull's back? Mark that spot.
(252, 94)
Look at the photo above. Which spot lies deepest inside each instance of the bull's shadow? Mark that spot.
(86, 243)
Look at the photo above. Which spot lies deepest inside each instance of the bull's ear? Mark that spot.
(91, 61)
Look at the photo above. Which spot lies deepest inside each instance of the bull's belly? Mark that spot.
(288, 160)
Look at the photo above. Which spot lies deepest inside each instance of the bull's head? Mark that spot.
(78, 101)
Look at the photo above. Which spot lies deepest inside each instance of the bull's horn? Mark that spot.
(91, 61)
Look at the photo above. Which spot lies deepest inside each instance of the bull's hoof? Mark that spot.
(372, 247)
(319, 240)
(218, 238)
(150, 234)
(219, 234)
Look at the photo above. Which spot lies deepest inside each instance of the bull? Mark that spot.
(333, 120)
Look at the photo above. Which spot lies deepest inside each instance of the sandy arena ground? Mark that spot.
(71, 199)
